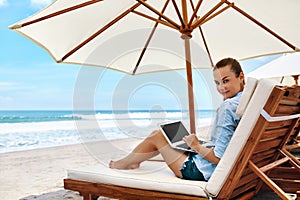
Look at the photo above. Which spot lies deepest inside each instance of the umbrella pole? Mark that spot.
(296, 79)
(189, 74)
(186, 36)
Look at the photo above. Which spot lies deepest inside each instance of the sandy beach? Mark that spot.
(38, 174)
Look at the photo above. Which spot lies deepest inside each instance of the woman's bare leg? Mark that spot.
(148, 148)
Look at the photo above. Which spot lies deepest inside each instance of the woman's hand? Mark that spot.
(207, 153)
(192, 141)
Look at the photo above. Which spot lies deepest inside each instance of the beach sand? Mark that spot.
(38, 174)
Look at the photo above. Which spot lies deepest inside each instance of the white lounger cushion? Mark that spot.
(240, 136)
(151, 175)
(246, 95)
(158, 177)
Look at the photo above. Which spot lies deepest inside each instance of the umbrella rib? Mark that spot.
(206, 47)
(217, 13)
(195, 12)
(159, 13)
(100, 31)
(154, 19)
(263, 26)
(199, 21)
(149, 39)
(178, 12)
(55, 14)
(202, 35)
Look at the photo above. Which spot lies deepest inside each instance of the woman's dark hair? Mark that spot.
(235, 65)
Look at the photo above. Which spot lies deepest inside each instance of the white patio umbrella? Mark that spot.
(285, 66)
(143, 36)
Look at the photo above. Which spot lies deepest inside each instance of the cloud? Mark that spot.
(39, 3)
(3, 3)
(7, 84)
(12, 86)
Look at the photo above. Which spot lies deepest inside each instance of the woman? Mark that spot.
(229, 80)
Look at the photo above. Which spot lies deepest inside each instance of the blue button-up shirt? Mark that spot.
(222, 130)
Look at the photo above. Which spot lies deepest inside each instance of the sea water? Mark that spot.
(24, 130)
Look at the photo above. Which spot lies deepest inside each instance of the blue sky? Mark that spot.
(31, 80)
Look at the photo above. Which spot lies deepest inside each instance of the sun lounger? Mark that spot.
(254, 158)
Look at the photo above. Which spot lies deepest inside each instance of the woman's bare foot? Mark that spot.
(122, 164)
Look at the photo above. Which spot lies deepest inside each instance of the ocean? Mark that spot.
(25, 130)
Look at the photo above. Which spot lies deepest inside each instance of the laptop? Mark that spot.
(174, 132)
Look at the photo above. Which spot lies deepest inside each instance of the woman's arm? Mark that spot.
(206, 153)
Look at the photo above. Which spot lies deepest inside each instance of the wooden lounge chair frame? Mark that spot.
(262, 162)
(293, 145)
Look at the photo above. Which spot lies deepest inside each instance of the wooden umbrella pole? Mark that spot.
(189, 74)
(186, 36)
(296, 78)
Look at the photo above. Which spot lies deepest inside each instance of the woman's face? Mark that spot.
(228, 85)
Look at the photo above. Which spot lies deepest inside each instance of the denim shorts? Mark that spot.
(189, 170)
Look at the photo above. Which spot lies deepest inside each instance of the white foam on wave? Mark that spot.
(24, 136)
(133, 115)
(35, 126)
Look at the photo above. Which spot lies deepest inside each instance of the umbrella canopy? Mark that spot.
(142, 36)
(286, 65)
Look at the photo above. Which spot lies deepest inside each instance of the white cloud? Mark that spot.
(7, 84)
(3, 3)
(12, 86)
(40, 3)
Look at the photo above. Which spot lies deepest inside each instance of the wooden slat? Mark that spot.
(263, 155)
(287, 110)
(251, 177)
(266, 161)
(274, 133)
(268, 144)
(289, 102)
(285, 173)
(279, 124)
(274, 164)
(247, 188)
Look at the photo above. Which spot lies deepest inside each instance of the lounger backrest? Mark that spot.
(240, 137)
(247, 94)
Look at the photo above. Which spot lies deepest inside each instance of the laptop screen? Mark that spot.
(175, 131)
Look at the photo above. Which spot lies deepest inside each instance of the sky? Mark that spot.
(31, 80)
